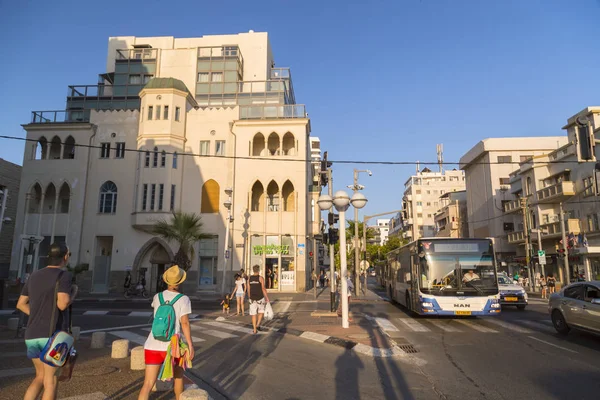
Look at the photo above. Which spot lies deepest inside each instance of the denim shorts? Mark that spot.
(239, 294)
(35, 347)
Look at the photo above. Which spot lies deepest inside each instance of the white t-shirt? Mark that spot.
(182, 307)
(238, 285)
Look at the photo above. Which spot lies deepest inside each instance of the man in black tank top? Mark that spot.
(256, 292)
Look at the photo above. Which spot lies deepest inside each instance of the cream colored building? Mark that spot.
(487, 168)
(547, 180)
(451, 219)
(172, 124)
(422, 200)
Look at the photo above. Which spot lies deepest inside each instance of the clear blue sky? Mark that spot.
(382, 80)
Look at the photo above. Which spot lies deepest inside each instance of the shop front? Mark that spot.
(276, 256)
(584, 263)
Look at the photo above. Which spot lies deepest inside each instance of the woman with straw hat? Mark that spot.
(155, 351)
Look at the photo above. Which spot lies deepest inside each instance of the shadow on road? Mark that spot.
(346, 377)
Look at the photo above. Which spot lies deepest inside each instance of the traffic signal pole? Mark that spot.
(565, 245)
(333, 284)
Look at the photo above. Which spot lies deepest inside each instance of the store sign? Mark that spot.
(271, 249)
(287, 278)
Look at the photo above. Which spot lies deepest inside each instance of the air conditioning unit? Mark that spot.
(509, 227)
(504, 187)
(454, 225)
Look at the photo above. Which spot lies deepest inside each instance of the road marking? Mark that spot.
(194, 338)
(317, 337)
(141, 313)
(552, 344)
(444, 326)
(230, 327)
(132, 337)
(386, 325)
(113, 328)
(475, 326)
(95, 312)
(192, 316)
(281, 306)
(414, 325)
(212, 332)
(508, 326)
(5, 373)
(536, 325)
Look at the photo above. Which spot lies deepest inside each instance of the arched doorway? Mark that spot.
(151, 261)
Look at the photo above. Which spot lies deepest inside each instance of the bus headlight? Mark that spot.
(427, 305)
(495, 305)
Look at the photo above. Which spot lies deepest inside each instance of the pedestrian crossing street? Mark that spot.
(456, 325)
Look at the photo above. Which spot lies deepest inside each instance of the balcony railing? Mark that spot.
(556, 192)
(104, 97)
(245, 93)
(512, 206)
(60, 117)
(516, 237)
(273, 112)
(553, 228)
(137, 54)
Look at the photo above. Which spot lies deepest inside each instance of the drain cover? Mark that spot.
(408, 348)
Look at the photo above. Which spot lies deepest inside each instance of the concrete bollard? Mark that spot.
(138, 362)
(13, 324)
(98, 339)
(195, 394)
(162, 386)
(120, 348)
(76, 332)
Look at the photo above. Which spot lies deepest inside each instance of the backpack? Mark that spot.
(165, 319)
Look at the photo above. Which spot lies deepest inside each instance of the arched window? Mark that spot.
(41, 149)
(35, 199)
(55, 148)
(163, 159)
(108, 198)
(69, 148)
(175, 160)
(147, 162)
(289, 199)
(273, 144)
(289, 144)
(64, 197)
(258, 145)
(155, 159)
(210, 197)
(258, 193)
(49, 198)
(273, 197)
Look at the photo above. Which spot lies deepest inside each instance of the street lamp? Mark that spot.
(341, 202)
(227, 204)
(356, 187)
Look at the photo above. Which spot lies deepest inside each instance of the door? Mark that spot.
(101, 274)
(591, 312)
(572, 304)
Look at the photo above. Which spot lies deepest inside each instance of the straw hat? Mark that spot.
(174, 276)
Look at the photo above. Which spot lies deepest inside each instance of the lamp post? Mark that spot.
(356, 187)
(226, 254)
(341, 202)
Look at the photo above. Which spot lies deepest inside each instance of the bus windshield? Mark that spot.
(455, 268)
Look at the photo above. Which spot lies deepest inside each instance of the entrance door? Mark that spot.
(271, 273)
(101, 274)
(156, 281)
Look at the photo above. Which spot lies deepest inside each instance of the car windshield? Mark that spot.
(451, 271)
(505, 280)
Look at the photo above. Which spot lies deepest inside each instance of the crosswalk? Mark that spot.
(487, 325)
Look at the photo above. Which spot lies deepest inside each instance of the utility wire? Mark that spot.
(283, 159)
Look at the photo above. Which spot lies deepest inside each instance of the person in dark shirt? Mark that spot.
(257, 293)
(37, 300)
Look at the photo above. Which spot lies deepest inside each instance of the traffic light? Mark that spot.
(332, 218)
(333, 236)
(325, 165)
(326, 239)
(586, 144)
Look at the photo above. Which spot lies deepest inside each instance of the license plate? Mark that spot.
(462, 312)
(511, 298)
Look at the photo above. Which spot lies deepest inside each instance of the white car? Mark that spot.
(511, 293)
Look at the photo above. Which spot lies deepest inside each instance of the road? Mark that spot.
(514, 355)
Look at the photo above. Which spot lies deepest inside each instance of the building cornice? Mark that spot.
(69, 126)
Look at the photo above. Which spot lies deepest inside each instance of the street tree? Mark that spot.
(185, 229)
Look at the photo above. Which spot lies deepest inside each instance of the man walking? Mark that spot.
(39, 302)
(258, 297)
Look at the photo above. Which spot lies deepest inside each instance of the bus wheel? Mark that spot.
(390, 295)
(408, 305)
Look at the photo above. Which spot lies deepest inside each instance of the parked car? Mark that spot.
(576, 306)
(511, 293)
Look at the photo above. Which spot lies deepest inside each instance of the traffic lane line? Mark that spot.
(553, 345)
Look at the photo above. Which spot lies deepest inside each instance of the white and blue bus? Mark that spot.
(444, 276)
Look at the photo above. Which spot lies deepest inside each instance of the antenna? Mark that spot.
(440, 156)
(418, 166)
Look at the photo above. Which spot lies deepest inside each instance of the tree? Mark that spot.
(392, 243)
(184, 228)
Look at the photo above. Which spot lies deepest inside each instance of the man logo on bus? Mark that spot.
(426, 245)
(462, 306)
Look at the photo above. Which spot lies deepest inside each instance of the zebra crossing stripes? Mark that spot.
(194, 338)
(230, 327)
(213, 332)
(414, 325)
(131, 336)
(487, 325)
(507, 325)
(445, 326)
(538, 325)
(475, 326)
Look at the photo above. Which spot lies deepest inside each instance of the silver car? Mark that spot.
(576, 306)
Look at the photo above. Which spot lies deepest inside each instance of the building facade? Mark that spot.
(203, 125)
(451, 219)
(422, 200)
(381, 231)
(544, 183)
(488, 167)
(10, 177)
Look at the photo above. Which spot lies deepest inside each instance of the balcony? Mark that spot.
(146, 54)
(60, 117)
(104, 97)
(552, 230)
(556, 193)
(512, 206)
(516, 237)
(273, 112)
(244, 93)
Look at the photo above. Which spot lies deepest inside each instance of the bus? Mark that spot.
(444, 276)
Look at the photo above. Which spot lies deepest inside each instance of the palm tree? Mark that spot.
(184, 228)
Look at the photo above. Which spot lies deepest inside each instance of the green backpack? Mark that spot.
(165, 319)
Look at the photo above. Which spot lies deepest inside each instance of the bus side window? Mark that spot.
(407, 277)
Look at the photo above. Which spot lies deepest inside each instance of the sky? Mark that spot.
(381, 80)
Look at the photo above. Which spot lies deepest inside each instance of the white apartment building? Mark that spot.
(451, 219)
(173, 124)
(381, 231)
(422, 200)
(487, 167)
(544, 182)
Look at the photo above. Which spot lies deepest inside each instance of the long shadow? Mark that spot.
(346, 376)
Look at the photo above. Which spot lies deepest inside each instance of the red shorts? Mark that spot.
(155, 357)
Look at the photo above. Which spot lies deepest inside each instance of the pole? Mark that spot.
(564, 240)
(539, 238)
(3, 206)
(226, 251)
(333, 283)
(526, 232)
(344, 269)
(356, 241)
(314, 265)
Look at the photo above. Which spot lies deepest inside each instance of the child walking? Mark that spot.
(225, 304)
